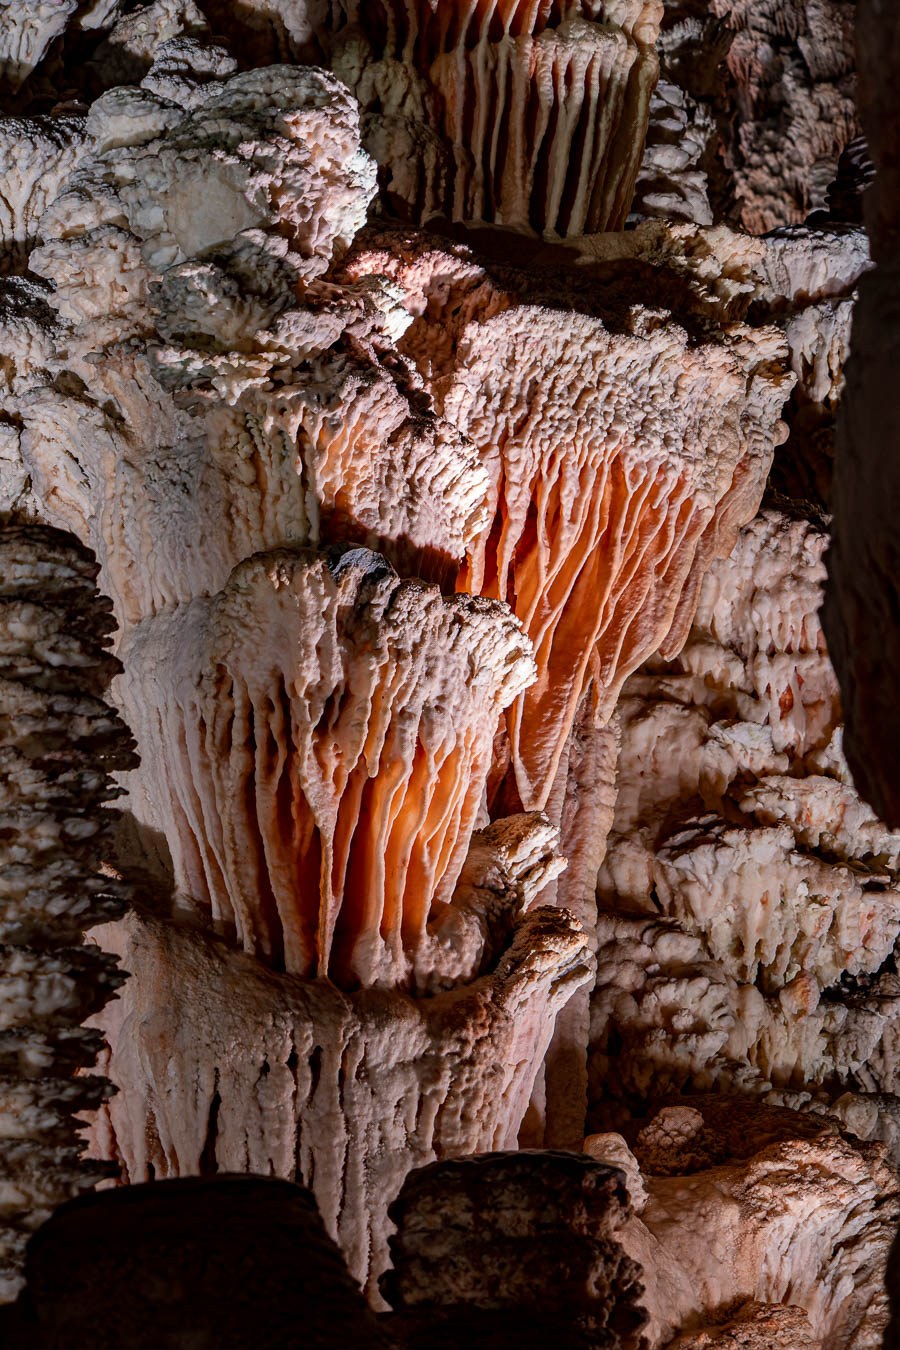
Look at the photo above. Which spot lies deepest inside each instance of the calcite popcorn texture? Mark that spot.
(60, 742)
(167, 365)
(791, 67)
(413, 532)
(754, 893)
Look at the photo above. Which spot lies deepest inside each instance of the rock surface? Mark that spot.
(427, 498)
(222, 1064)
(60, 742)
(503, 1248)
(749, 898)
(230, 1261)
(862, 594)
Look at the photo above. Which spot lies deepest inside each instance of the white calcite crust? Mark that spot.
(220, 1061)
(769, 1217)
(752, 900)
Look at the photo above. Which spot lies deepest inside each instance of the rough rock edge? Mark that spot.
(59, 744)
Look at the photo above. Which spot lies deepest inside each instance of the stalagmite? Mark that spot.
(59, 744)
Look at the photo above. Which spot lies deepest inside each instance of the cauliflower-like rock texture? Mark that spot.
(59, 744)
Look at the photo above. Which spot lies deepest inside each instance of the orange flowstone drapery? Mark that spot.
(618, 464)
(624, 450)
(330, 729)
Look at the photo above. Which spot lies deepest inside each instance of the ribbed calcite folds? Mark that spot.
(328, 732)
(529, 113)
(623, 449)
(616, 462)
(26, 31)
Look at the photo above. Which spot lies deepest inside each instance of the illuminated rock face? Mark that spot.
(530, 115)
(621, 451)
(244, 1069)
(745, 880)
(335, 726)
(491, 784)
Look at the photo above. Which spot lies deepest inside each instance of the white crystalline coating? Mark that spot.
(141, 38)
(819, 339)
(825, 815)
(187, 72)
(768, 1217)
(294, 1078)
(736, 818)
(771, 915)
(672, 184)
(803, 265)
(265, 409)
(37, 155)
(276, 147)
(757, 640)
(324, 734)
(27, 28)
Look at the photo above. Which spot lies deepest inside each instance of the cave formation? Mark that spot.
(444, 445)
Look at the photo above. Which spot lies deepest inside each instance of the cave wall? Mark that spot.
(457, 400)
